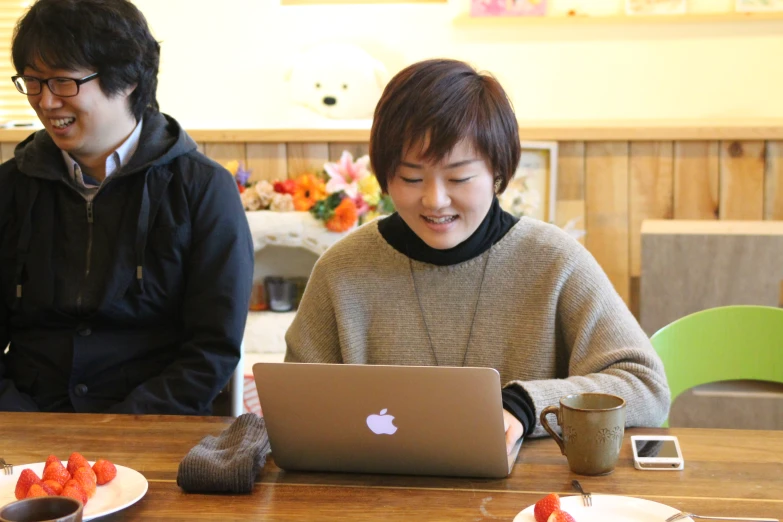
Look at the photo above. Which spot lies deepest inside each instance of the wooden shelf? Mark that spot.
(547, 130)
(644, 129)
(359, 2)
(466, 19)
(280, 135)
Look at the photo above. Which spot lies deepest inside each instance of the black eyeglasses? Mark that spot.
(59, 86)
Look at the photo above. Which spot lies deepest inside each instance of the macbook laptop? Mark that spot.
(412, 420)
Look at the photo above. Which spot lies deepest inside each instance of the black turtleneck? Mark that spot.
(491, 230)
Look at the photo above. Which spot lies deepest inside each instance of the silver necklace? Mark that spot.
(472, 321)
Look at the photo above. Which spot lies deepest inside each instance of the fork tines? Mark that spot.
(587, 499)
(8, 469)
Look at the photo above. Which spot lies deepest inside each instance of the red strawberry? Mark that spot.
(36, 491)
(52, 458)
(559, 515)
(105, 471)
(56, 471)
(546, 506)
(56, 487)
(26, 479)
(75, 490)
(52, 492)
(86, 479)
(76, 461)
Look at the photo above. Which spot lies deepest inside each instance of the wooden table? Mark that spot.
(727, 472)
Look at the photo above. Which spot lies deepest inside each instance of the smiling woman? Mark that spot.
(451, 279)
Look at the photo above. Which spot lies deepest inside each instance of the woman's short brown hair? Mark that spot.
(442, 102)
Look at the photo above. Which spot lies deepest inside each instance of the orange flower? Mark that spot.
(309, 189)
(345, 216)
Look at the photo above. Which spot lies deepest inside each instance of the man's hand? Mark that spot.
(514, 430)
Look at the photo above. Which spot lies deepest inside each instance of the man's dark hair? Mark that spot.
(442, 102)
(109, 36)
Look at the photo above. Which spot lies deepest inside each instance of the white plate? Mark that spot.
(127, 488)
(609, 507)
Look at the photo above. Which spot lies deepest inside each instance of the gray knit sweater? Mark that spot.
(548, 318)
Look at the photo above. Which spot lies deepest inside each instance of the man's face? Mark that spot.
(88, 126)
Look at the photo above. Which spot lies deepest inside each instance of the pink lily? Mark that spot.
(361, 206)
(345, 174)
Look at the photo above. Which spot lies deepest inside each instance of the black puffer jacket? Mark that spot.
(134, 303)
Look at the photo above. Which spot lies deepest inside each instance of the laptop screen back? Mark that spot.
(384, 419)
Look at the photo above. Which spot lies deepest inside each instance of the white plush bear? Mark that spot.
(338, 81)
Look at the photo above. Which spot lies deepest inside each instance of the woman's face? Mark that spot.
(445, 202)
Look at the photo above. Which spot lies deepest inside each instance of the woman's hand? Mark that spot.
(514, 430)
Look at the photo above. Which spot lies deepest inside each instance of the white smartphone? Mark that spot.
(657, 453)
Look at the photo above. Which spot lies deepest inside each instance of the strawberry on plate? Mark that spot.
(26, 479)
(36, 490)
(559, 515)
(55, 471)
(86, 479)
(51, 459)
(53, 485)
(76, 461)
(75, 490)
(546, 506)
(105, 471)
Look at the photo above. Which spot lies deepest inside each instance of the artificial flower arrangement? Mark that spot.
(344, 194)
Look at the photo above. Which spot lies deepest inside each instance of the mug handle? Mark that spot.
(555, 410)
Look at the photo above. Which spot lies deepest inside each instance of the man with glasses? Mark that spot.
(125, 256)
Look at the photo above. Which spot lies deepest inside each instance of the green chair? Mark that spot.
(722, 344)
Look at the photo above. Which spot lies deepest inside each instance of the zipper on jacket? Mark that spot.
(88, 260)
(89, 238)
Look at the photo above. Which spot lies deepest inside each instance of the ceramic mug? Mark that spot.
(593, 425)
(43, 509)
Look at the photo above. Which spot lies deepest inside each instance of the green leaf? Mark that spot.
(385, 205)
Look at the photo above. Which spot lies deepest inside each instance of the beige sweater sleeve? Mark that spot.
(313, 335)
(602, 348)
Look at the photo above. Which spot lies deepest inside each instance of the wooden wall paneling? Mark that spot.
(267, 161)
(7, 150)
(773, 181)
(742, 180)
(650, 196)
(305, 158)
(225, 152)
(356, 149)
(696, 179)
(200, 146)
(570, 204)
(606, 209)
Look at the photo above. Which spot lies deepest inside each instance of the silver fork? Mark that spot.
(8, 469)
(682, 514)
(587, 498)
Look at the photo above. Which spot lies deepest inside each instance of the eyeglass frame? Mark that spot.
(45, 81)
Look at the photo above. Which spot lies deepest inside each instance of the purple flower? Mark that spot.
(242, 176)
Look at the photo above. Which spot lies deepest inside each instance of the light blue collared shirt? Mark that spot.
(87, 185)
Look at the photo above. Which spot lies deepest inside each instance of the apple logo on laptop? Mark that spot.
(381, 424)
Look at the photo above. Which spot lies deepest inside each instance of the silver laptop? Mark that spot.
(412, 420)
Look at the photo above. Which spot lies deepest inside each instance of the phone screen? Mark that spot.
(664, 449)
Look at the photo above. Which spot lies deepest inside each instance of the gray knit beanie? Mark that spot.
(228, 463)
